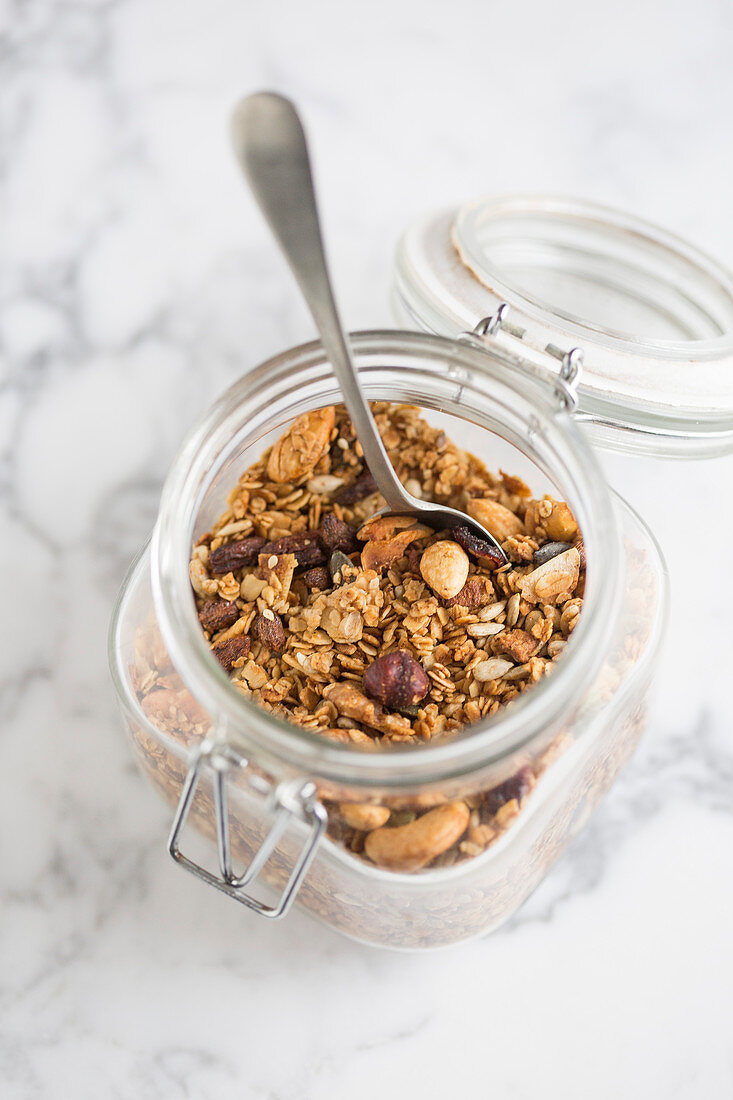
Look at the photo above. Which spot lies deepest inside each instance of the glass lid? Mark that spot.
(652, 315)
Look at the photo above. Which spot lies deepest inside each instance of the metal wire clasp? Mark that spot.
(571, 361)
(290, 802)
(571, 365)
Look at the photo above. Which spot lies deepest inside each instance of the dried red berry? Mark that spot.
(217, 615)
(413, 554)
(319, 577)
(364, 486)
(305, 546)
(235, 555)
(517, 786)
(337, 535)
(396, 680)
(268, 628)
(231, 650)
(481, 549)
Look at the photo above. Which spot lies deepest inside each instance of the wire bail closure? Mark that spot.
(291, 801)
(571, 366)
(571, 361)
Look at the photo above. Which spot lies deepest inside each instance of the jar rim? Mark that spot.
(283, 744)
(652, 313)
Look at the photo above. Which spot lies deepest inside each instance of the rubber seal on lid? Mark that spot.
(652, 314)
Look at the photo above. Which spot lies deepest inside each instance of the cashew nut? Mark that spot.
(410, 847)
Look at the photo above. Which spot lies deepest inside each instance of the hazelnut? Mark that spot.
(396, 680)
(444, 566)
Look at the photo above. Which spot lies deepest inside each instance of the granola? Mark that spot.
(380, 630)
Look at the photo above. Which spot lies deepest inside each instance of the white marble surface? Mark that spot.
(137, 281)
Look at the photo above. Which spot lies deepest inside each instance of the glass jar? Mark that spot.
(652, 314)
(261, 786)
(510, 295)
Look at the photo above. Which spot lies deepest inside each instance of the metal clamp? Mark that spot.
(290, 802)
(571, 360)
(571, 366)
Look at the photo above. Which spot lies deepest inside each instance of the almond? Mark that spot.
(299, 449)
(498, 520)
(444, 566)
(378, 554)
(557, 577)
(384, 527)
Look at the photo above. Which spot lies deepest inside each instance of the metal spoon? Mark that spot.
(271, 148)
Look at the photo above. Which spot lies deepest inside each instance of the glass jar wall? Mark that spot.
(561, 743)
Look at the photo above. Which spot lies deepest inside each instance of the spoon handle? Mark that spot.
(271, 148)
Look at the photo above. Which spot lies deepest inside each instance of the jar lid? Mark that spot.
(652, 315)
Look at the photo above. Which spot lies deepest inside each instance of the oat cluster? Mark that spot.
(382, 630)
